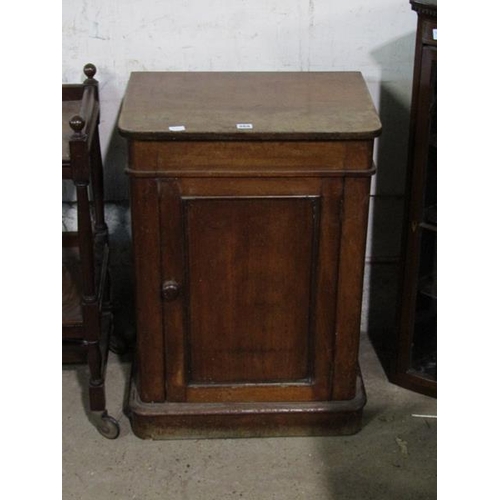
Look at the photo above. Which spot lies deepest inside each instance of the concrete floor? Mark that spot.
(392, 458)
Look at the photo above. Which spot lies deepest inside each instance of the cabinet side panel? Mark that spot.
(350, 286)
(325, 286)
(146, 248)
(250, 264)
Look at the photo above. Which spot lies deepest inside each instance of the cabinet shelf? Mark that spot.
(427, 226)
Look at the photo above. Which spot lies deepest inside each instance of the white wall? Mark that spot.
(375, 37)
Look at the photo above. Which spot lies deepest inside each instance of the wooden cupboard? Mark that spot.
(249, 200)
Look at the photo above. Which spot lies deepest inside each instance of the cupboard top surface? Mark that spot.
(248, 106)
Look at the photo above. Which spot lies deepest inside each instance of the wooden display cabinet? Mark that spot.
(415, 365)
(249, 200)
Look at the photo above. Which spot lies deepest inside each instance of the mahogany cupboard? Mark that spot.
(249, 201)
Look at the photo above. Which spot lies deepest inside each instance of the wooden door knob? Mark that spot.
(170, 290)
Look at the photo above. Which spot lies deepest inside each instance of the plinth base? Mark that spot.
(243, 420)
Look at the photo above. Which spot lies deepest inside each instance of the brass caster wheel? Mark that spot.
(108, 426)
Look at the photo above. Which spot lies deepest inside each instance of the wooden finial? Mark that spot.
(90, 70)
(77, 123)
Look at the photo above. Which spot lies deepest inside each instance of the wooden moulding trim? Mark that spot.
(262, 136)
(235, 408)
(249, 173)
(425, 10)
(238, 420)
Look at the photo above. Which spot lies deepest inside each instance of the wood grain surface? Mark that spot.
(288, 105)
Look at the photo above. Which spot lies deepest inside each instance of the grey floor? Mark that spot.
(392, 457)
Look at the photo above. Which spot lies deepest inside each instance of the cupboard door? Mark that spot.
(415, 366)
(249, 270)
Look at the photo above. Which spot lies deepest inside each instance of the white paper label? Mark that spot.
(244, 126)
(435, 34)
(177, 128)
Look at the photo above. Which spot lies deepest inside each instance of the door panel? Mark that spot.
(251, 321)
(249, 262)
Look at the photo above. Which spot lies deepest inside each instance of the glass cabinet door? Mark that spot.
(416, 356)
(423, 349)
